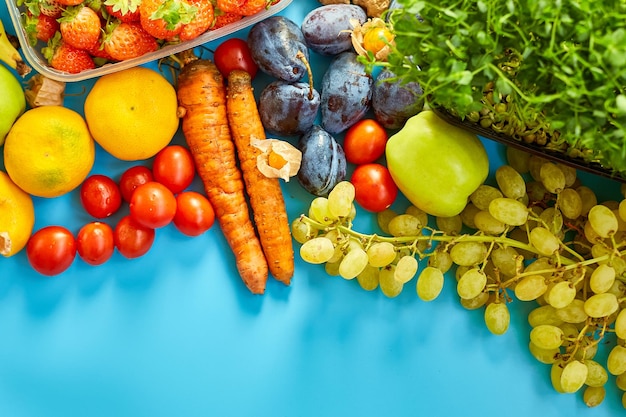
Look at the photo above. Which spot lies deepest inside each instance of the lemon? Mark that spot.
(49, 151)
(132, 113)
(17, 216)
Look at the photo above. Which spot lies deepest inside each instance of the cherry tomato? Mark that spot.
(94, 243)
(51, 250)
(365, 142)
(100, 196)
(153, 205)
(131, 239)
(374, 188)
(173, 167)
(194, 213)
(132, 178)
(234, 54)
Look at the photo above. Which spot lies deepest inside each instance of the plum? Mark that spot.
(288, 108)
(323, 162)
(278, 48)
(346, 93)
(394, 101)
(324, 27)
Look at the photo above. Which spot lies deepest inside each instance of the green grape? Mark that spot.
(620, 324)
(536, 192)
(418, 213)
(510, 182)
(546, 336)
(340, 199)
(620, 381)
(302, 231)
(591, 234)
(597, 375)
(509, 211)
(486, 223)
(405, 225)
(588, 197)
(552, 177)
(381, 254)
(518, 159)
(353, 263)
(383, 218)
(621, 210)
(545, 314)
(624, 400)
(601, 305)
(332, 268)
(475, 303)
(468, 214)
(338, 254)
(368, 278)
(616, 361)
(406, 268)
(468, 253)
(544, 241)
(535, 162)
(505, 259)
(547, 356)
(317, 250)
(530, 288)
(451, 226)
(389, 285)
(552, 218)
(570, 174)
(602, 220)
(483, 196)
(570, 204)
(319, 212)
(618, 289)
(573, 376)
(602, 278)
(561, 294)
(594, 396)
(440, 259)
(429, 283)
(542, 266)
(556, 370)
(471, 283)
(497, 318)
(574, 312)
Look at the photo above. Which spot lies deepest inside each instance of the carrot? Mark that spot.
(265, 194)
(202, 106)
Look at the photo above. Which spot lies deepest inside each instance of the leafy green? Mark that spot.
(558, 65)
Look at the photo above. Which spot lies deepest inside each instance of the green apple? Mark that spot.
(436, 165)
(13, 101)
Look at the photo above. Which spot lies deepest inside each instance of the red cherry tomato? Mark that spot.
(100, 196)
(153, 205)
(51, 250)
(94, 243)
(194, 213)
(132, 178)
(365, 142)
(131, 239)
(232, 54)
(173, 167)
(374, 188)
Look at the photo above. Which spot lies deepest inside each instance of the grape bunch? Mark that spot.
(536, 235)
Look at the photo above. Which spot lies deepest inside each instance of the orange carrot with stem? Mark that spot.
(265, 194)
(202, 106)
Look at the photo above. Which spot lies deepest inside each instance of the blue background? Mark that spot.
(175, 333)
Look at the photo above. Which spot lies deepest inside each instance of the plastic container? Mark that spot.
(38, 62)
(535, 149)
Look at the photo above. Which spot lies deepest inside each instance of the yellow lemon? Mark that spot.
(132, 113)
(17, 216)
(49, 151)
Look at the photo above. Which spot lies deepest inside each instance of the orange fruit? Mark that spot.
(132, 113)
(17, 216)
(49, 151)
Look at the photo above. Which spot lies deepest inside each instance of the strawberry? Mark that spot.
(124, 10)
(128, 40)
(80, 26)
(201, 23)
(222, 19)
(50, 8)
(230, 6)
(64, 57)
(98, 53)
(40, 27)
(65, 3)
(253, 7)
(164, 19)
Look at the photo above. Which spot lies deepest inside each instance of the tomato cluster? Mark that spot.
(364, 143)
(156, 197)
